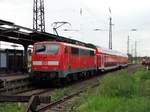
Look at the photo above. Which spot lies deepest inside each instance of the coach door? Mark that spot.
(102, 61)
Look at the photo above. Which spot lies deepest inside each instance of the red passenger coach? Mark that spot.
(59, 60)
(109, 59)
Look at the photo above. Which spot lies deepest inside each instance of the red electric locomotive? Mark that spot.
(58, 60)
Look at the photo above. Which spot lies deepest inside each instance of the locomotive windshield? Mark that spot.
(40, 49)
(46, 48)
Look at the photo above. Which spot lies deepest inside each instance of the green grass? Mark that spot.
(117, 85)
(114, 104)
(12, 107)
(60, 93)
(121, 92)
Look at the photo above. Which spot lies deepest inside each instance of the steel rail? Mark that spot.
(42, 109)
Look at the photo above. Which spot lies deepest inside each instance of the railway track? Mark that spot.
(34, 94)
(77, 89)
(56, 105)
(22, 86)
(62, 104)
(15, 86)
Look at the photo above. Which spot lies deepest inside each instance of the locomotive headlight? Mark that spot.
(53, 62)
(37, 62)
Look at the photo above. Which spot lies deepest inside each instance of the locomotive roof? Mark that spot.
(73, 45)
(69, 44)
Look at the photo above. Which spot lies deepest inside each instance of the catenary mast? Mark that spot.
(38, 15)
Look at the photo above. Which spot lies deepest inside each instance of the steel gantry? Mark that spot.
(38, 15)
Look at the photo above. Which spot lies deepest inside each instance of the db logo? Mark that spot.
(44, 63)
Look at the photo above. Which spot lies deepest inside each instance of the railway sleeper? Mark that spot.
(33, 101)
(36, 101)
(2, 82)
(15, 89)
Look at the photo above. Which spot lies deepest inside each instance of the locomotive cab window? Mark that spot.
(52, 48)
(47, 49)
(40, 49)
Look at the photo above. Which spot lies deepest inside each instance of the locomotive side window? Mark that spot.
(74, 50)
(84, 52)
(92, 53)
(80, 51)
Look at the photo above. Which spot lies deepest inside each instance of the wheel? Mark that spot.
(63, 82)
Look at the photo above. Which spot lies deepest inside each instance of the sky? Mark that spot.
(126, 15)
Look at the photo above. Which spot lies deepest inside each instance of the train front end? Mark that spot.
(46, 60)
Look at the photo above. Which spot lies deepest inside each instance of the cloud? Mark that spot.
(126, 15)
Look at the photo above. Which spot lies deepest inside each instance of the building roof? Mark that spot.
(10, 32)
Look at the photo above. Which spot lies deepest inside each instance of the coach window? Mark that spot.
(102, 59)
(105, 58)
(80, 52)
(87, 52)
